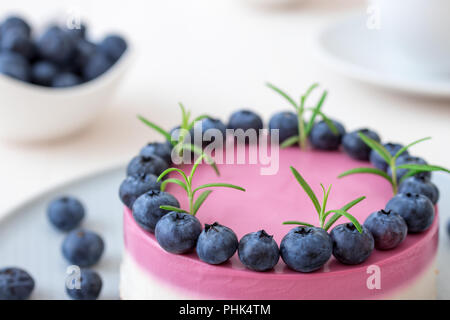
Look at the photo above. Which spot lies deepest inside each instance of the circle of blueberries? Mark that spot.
(60, 57)
(303, 249)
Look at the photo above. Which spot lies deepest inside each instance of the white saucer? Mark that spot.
(351, 49)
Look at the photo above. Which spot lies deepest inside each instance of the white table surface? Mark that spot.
(215, 56)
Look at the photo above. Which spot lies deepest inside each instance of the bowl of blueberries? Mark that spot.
(57, 81)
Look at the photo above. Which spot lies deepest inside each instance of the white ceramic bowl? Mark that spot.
(30, 113)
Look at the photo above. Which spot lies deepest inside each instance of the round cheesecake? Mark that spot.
(406, 272)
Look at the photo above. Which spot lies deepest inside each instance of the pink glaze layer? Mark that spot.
(268, 201)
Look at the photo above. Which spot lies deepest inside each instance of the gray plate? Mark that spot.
(28, 241)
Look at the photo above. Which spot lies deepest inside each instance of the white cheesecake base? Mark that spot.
(137, 284)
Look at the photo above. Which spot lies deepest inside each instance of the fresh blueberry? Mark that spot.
(134, 186)
(416, 209)
(141, 165)
(96, 65)
(84, 51)
(448, 227)
(322, 138)
(258, 251)
(147, 211)
(16, 40)
(14, 65)
(355, 147)
(306, 249)
(83, 248)
(177, 232)
(43, 72)
(207, 124)
(350, 246)
(162, 150)
(388, 229)
(15, 284)
(216, 244)
(113, 46)
(90, 284)
(287, 124)
(56, 45)
(407, 159)
(378, 161)
(245, 119)
(420, 185)
(65, 213)
(15, 22)
(65, 79)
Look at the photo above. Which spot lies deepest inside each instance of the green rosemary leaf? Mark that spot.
(201, 198)
(171, 208)
(224, 185)
(315, 112)
(299, 223)
(167, 171)
(348, 216)
(422, 167)
(378, 172)
(176, 181)
(290, 141)
(197, 150)
(399, 153)
(307, 189)
(283, 94)
(346, 207)
(155, 127)
(378, 147)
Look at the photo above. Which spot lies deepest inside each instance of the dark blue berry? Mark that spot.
(258, 251)
(448, 227)
(388, 229)
(134, 186)
(322, 138)
(175, 135)
(65, 79)
(209, 128)
(378, 161)
(178, 232)
(162, 150)
(287, 124)
(16, 40)
(15, 284)
(84, 51)
(146, 165)
(83, 248)
(43, 72)
(355, 147)
(306, 249)
(77, 32)
(420, 185)
(416, 209)
(65, 213)
(90, 284)
(245, 119)
(14, 65)
(350, 246)
(147, 211)
(56, 45)
(96, 65)
(216, 244)
(15, 22)
(407, 159)
(113, 46)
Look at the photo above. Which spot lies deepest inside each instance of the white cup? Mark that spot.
(419, 30)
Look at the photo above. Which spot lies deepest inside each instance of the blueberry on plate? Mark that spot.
(146, 165)
(65, 213)
(147, 211)
(56, 45)
(216, 244)
(83, 248)
(134, 186)
(306, 249)
(177, 232)
(89, 286)
(16, 40)
(245, 119)
(210, 129)
(14, 65)
(15, 284)
(159, 149)
(65, 79)
(321, 137)
(43, 72)
(287, 124)
(416, 209)
(378, 161)
(388, 229)
(420, 185)
(407, 159)
(350, 246)
(113, 46)
(95, 65)
(15, 22)
(258, 251)
(355, 147)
